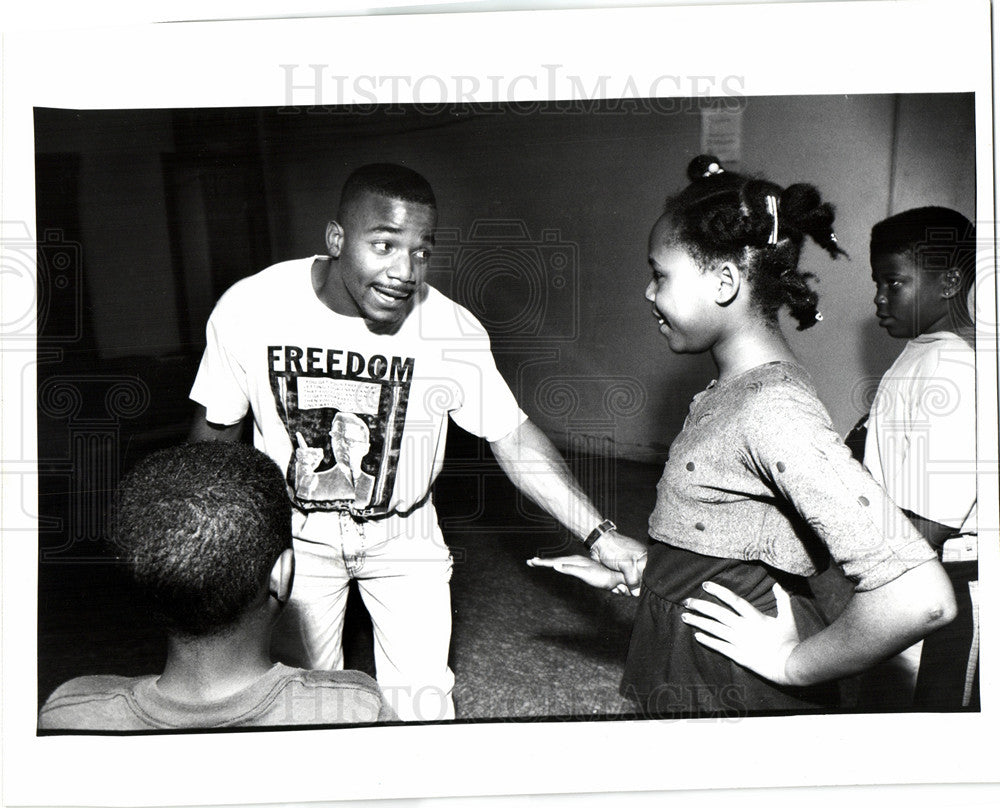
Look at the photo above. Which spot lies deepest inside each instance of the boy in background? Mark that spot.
(205, 531)
(921, 441)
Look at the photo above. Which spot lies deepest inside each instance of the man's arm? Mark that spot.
(535, 466)
(203, 429)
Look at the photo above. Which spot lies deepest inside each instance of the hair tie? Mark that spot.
(772, 207)
(834, 247)
(713, 168)
(819, 316)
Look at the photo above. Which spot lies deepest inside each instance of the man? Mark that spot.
(204, 530)
(359, 332)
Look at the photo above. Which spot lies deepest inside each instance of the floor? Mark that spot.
(526, 644)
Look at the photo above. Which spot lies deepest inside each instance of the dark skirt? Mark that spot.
(668, 672)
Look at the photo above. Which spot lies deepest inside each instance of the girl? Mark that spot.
(758, 491)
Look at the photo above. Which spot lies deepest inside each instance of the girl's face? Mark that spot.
(682, 293)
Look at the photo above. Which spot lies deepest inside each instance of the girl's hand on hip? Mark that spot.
(747, 636)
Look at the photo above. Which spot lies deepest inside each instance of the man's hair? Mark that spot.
(934, 238)
(200, 527)
(386, 179)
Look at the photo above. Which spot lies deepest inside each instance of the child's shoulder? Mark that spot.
(928, 355)
(934, 343)
(779, 396)
(91, 686)
(773, 384)
(339, 679)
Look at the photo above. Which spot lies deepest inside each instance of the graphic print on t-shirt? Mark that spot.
(344, 414)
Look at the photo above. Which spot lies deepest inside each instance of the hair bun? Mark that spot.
(802, 204)
(703, 166)
(803, 208)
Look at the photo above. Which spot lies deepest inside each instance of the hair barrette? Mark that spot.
(772, 207)
(713, 168)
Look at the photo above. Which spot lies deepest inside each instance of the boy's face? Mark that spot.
(908, 301)
(383, 246)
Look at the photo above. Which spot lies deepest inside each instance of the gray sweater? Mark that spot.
(282, 697)
(759, 474)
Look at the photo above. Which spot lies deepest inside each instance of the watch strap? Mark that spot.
(597, 532)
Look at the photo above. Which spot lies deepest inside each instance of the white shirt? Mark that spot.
(921, 442)
(305, 372)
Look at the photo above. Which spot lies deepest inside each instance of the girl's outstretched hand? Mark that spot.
(587, 570)
(745, 635)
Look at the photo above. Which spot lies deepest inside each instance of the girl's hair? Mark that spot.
(724, 216)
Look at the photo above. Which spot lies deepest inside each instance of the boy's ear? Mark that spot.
(282, 575)
(951, 283)
(334, 238)
(729, 279)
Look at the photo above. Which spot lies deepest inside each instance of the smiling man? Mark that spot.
(358, 337)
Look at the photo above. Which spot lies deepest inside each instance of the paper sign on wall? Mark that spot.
(722, 133)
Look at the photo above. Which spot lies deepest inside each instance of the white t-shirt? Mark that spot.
(921, 442)
(358, 420)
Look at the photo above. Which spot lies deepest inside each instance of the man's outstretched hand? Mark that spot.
(587, 570)
(622, 554)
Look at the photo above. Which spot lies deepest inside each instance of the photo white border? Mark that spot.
(816, 48)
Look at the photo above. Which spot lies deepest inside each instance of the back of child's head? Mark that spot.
(760, 227)
(934, 239)
(389, 180)
(200, 527)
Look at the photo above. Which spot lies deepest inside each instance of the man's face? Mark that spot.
(383, 246)
(350, 441)
(908, 302)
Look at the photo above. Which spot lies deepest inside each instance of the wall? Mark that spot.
(576, 340)
(598, 180)
(935, 156)
(872, 157)
(123, 224)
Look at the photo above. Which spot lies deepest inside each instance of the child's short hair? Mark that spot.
(934, 238)
(759, 226)
(386, 179)
(200, 527)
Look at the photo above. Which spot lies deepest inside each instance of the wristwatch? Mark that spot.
(599, 531)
